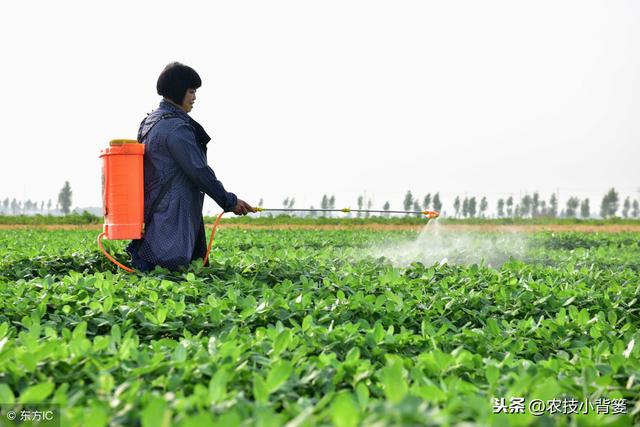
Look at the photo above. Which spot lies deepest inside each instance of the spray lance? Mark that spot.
(428, 214)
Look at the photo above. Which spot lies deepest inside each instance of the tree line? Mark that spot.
(534, 206)
(527, 206)
(18, 207)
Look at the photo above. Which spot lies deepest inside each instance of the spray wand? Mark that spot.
(428, 214)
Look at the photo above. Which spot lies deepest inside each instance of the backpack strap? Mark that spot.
(142, 134)
(143, 130)
(163, 191)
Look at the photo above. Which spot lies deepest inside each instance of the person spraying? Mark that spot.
(177, 177)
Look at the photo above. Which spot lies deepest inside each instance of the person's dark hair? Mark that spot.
(174, 81)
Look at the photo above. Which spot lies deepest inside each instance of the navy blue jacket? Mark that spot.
(175, 150)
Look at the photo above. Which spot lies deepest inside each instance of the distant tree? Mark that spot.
(472, 207)
(525, 205)
(292, 202)
(500, 208)
(332, 202)
(260, 202)
(510, 206)
(535, 204)
(360, 202)
(553, 206)
(517, 211)
(625, 207)
(465, 207)
(437, 204)
(572, 207)
(543, 208)
(386, 207)
(312, 213)
(64, 198)
(324, 204)
(416, 207)
(49, 206)
(14, 207)
(426, 203)
(285, 203)
(5, 205)
(636, 209)
(585, 210)
(456, 205)
(42, 206)
(408, 201)
(483, 206)
(369, 205)
(609, 205)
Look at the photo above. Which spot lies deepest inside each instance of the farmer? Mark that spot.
(176, 177)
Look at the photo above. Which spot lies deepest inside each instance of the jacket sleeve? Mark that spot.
(191, 159)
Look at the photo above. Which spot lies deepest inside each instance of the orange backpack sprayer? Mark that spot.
(122, 193)
(123, 197)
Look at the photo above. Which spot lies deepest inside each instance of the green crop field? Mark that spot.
(334, 327)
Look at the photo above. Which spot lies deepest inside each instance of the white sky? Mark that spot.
(340, 97)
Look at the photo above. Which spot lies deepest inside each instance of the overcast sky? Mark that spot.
(340, 97)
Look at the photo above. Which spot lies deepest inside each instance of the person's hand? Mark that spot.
(243, 208)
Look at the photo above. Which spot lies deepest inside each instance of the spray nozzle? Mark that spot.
(431, 214)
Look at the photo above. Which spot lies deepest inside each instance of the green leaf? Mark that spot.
(612, 317)
(218, 386)
(282, 342)
(353, 355)
(97, 416)
(363, 396)
(116, 335)
(4, 328)
(266, 417)
(278, 375)
(6, 395)
(37, 393)
(107, 304)
(260, 391)
(492, 373)
(345, 411)
(151, 318)
(393, 381)
(161, 315)
(79, 331)
(180, 353)
(205, 420)
(156, 413)
(307, 323)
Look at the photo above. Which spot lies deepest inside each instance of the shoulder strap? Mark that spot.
(165, 187)
(163, 191)
(142, 132)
